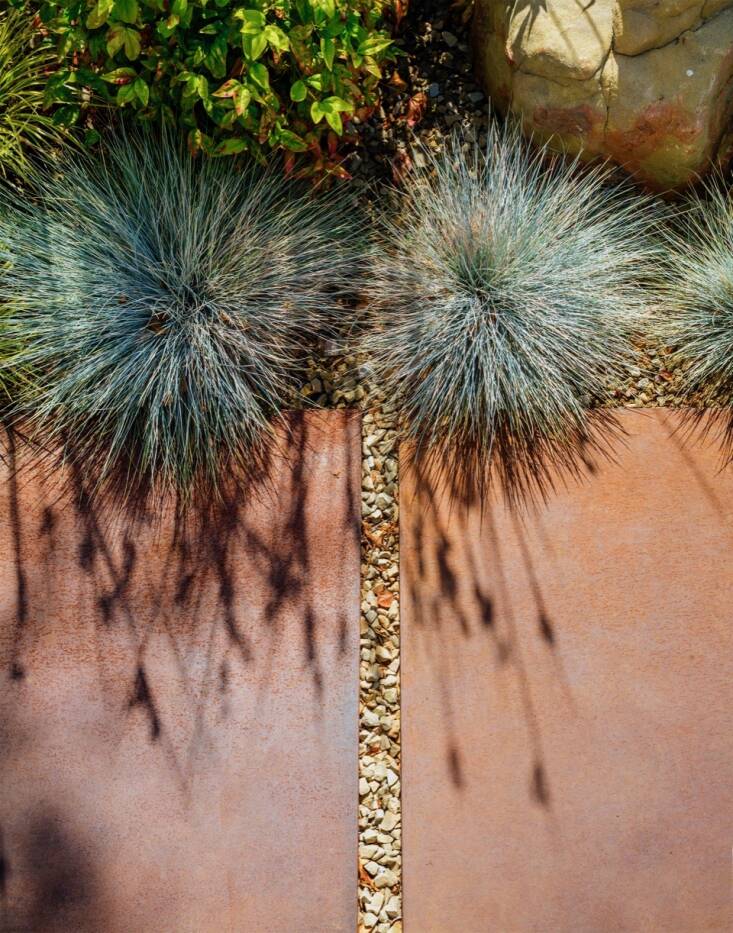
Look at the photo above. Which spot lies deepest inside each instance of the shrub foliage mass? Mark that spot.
(255, 75)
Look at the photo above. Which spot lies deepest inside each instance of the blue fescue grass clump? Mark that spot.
(506, 291)
(696, 316)
(164, 305)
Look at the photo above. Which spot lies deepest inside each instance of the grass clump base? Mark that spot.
(505, 292)
(164, 305)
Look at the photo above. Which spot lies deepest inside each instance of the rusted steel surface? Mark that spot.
(178, 718)
(567, 700)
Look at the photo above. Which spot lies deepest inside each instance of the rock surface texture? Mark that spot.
(648, 83)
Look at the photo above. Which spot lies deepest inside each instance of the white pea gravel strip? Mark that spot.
(380, 821)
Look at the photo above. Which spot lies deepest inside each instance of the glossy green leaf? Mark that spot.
(67, 115)
(126, 10)
(291, 141)
(317, 112)
(336, 105)
(334, 121)
(259, 75)
(119, 76)
(126, 94)
(254, 45)
(142, 91)
(253, 21)
(115, 40)
(328, 51)
(230, 147)
(228, 89)
(132, 44)
(276, 37)
(374, 45)
(99, 14)
(298, 91)
(216, 59)
(241, 100)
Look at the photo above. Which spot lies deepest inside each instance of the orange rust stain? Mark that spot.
(657, 126)
(582, 120)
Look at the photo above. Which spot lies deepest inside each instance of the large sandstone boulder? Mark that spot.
(648, 83)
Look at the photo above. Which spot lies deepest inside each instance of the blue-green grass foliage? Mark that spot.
(164, 305)
(505, 295)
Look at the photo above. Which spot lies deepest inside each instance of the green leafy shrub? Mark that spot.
(505, 294)
(24, 61)
(166, 305)
(251, 74)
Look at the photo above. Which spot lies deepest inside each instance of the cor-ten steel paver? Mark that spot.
(567, 700)
(178, 716)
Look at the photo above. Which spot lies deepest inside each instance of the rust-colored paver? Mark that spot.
(568, 701)
(178, 717)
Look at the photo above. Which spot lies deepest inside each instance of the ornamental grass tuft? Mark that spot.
(696, 319)
(505, 293)
(25, 61)
(165, 305)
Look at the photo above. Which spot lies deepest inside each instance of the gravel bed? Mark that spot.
(380, 823)
(430, 92)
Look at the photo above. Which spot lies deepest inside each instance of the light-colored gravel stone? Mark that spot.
(380, 836)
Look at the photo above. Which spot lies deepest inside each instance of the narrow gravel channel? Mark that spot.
(380, 821)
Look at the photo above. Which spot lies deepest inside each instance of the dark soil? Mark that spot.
(428, 93)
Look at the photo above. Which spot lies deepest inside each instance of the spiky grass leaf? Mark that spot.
(696, 314)
(24, 65)
(165, 304)
(506, 292)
